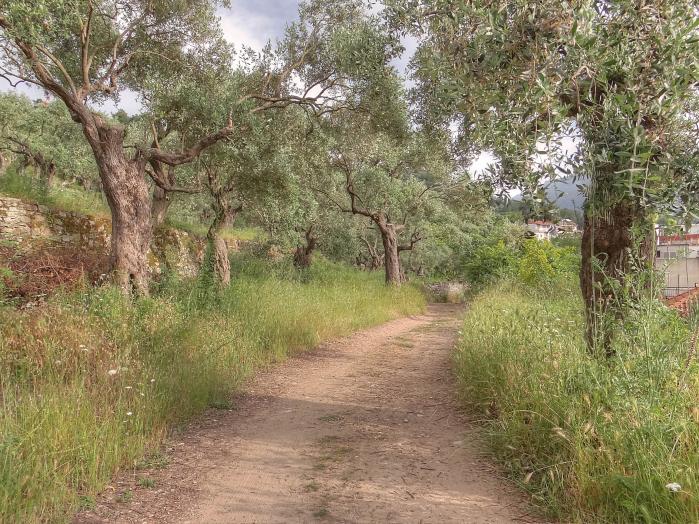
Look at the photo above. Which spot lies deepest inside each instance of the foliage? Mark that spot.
(91, 382)
(617, 77)
(542, 261)
(490, 262)
(592, 441)
(43, 131)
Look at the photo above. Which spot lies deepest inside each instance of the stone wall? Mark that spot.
(22, 221)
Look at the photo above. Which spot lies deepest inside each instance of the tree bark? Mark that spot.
(391, 255)
(303, 255)
(610, 251)
(48, 172)
(161, 197)
(128, 196)
(160, 203)
(220, 262)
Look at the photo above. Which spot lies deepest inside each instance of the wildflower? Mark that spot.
(152, 380)
(129, 413)
(673, 486)
(128, 387)
(112, 372)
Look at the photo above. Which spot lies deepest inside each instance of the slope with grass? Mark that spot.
(592, 440)
(90, 382)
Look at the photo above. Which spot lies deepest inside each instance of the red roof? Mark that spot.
(672, 238)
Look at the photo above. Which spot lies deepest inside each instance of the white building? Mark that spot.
(677, 255)
(541, 229)
(567, 225)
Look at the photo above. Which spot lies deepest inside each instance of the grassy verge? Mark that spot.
(228, 233)
(70, 197)
(91, 382)
(593, 441)
(61, 197)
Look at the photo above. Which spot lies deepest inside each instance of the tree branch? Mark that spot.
(187, 155)
(414, 239)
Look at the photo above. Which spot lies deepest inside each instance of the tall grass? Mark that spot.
(92, 382)
(592, 440)
(63, 196)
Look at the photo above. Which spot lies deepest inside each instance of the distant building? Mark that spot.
(677, 255)
(567, 226)
(541, 229)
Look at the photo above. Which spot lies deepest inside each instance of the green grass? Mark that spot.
(92, 383)
(592, 440)
(247, 234)
(70, 197)
(62, 197)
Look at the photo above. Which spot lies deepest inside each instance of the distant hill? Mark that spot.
(570, 198)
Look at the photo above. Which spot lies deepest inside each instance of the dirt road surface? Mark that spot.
(362, 429)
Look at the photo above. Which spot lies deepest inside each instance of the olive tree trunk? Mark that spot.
(612, 251)
(161, 198)
(128, 196)
(160, 203)
(48, 173)
(220, 261)
(391, 254)
(303, 255)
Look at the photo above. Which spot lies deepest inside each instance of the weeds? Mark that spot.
(91, 383)
(593, 440)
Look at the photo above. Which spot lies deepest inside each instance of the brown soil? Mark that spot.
(363, 429)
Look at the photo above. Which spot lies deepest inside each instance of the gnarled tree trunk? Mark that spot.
(610, 250)
(391, 254)
(128, 196)
(48, 172)
(159, 205)
(161, 198)
(304, 253)
(221, 264)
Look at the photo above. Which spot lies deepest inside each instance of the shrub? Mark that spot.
(592, 440)
(490, 262)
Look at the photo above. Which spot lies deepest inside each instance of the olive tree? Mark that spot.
(41, 134)
(387, 174)
(618, 75)
(84, 52)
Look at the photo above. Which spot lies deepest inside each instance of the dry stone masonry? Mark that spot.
(22, 221)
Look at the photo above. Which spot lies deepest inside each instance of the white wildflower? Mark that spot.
(152, 380)
(128, 387)
(673, 486)
(112, 372)
(129, 413)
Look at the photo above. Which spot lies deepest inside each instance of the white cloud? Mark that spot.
(249, 23)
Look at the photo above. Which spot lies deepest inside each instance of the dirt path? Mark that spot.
(364, 429)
